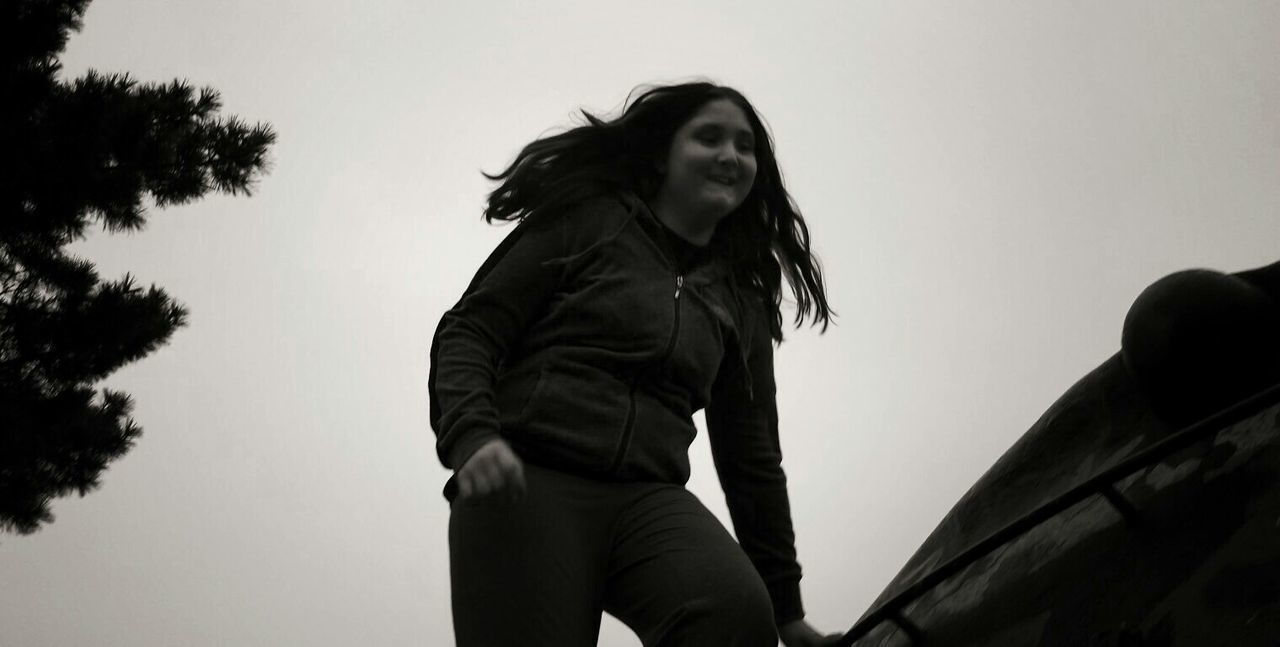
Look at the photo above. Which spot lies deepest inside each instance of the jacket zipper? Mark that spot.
(625, 443)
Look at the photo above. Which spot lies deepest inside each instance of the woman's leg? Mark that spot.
(677, 577)
(529, 574)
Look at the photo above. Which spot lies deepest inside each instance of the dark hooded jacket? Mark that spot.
(586, 344)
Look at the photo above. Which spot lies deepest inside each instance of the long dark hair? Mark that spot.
(766, 237)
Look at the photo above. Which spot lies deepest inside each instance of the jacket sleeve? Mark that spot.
(509, 290)
(742, 424)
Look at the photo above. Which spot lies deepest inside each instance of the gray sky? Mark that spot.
(989, 185)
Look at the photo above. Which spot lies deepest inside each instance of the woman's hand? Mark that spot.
(799, 633)
(493, 471)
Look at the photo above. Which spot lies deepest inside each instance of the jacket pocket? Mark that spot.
(573, 417)
(513, 392)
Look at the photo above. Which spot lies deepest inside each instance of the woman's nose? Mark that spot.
(727, 155)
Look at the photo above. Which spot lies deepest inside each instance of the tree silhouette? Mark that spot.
(84, 151)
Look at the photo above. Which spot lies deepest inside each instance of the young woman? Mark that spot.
(642, 284)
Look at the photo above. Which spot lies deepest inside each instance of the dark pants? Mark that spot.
(541, 571)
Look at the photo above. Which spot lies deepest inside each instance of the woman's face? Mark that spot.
(711, 164)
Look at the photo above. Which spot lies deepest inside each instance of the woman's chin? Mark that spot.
(724, 201)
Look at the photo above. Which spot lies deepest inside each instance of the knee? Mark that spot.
(740, 615)
(755, 613)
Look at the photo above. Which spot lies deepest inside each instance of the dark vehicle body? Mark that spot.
(1105, 524)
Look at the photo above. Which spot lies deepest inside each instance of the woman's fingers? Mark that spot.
(508, 476)
(514, 482)
(480, 480)
(495, 470)
(492, 472)
(485, 478)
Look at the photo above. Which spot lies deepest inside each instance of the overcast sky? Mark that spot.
(989, 185)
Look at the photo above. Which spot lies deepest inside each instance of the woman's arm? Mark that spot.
(742, 423)
(508, 291)
(508, 294)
